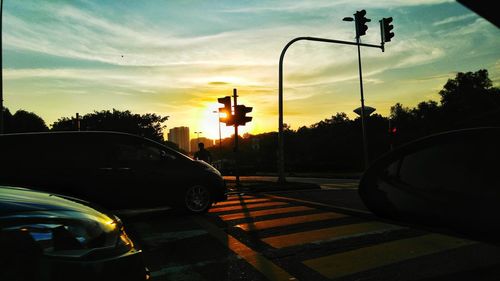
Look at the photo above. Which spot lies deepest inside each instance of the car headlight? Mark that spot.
(70, 237)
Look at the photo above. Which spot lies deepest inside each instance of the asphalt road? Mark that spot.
(296, 236)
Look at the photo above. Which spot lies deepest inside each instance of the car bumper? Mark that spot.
(221, 190)
(126, 267)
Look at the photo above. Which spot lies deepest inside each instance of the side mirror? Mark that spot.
(445, 180)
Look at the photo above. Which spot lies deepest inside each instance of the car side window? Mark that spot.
(128, 152)
(452, 166)
(149, 153)
(391, 172)
(167, 155)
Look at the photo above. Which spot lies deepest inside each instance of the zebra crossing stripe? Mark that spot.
(328, 234)
(270, 270)
(244, 206)
(246, 201)
(348, 263)
(267, 212)
(261, 225)
(238, 197)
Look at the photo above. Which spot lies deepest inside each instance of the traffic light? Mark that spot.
(393, 133)
(240, 117)
(386, 29)
(360, 20)
(228, 119)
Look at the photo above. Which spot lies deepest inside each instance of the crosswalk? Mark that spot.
(272, 238)
(298, 227)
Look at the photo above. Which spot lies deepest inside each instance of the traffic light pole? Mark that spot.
(237, 118)
(281, 156)
(365, 141)
(220, 137)
(236, 154)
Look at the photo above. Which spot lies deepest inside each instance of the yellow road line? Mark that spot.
(348, 263)
(246, 201)
(261, 225)
(265, 213)
(259, 262)
(244, 206)
(330, 233)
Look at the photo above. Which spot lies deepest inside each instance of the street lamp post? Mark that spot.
(281, 156)
(220, 135)
(363, 112)
(198, 136)
(360, 24)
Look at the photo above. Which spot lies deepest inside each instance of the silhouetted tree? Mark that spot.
(23, 122)
(334, 144)
(471, 100)
(148, 125)
(7, 120)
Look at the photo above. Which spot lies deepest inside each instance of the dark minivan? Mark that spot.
(115, 170)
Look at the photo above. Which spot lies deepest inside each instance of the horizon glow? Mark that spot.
(176, 58)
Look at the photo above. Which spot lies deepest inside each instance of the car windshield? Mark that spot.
(301, 110)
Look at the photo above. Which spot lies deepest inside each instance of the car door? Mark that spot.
(86, 164)
(155, 176)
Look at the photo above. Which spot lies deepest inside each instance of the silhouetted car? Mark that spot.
(115, 170)
(49, 237)
(445, 180)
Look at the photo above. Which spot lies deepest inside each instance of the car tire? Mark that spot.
(197, 199)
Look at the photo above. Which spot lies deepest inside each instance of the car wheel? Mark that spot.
(197, 199)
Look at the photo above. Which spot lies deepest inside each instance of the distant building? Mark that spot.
(207, 142)
(180, 136)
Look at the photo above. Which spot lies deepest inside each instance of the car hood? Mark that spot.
(204, 165)
(20, 200)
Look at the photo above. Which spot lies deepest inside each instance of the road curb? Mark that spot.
(267, 186)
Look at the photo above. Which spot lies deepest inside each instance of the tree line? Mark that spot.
(148, 125)
(335, 144)
(331, 145)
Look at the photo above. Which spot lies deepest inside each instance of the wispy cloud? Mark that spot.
(454, 19)
(181, 66)
(286, 6)
(219, 83)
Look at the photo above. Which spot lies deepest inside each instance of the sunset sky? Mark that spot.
(176, 58)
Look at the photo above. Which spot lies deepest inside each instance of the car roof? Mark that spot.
(72, 133)
(90, 133)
